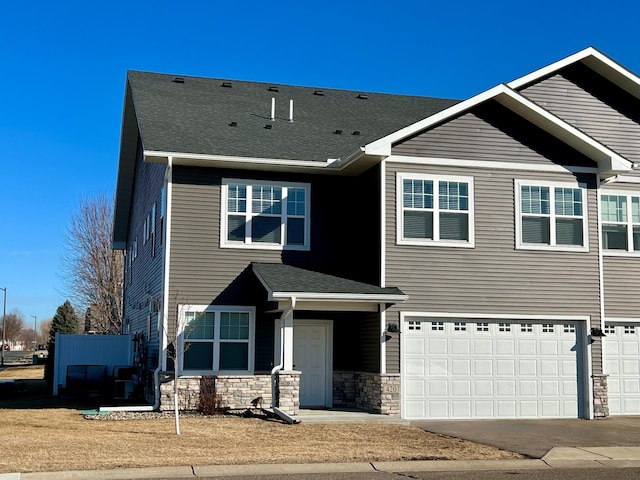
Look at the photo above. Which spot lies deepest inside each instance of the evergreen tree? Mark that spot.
(64, 321)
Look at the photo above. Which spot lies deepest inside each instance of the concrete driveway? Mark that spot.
(534, 438)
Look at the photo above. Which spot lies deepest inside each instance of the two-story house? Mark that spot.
(414, 256)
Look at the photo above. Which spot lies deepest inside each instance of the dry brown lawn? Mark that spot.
(55, 439)
(26, 371)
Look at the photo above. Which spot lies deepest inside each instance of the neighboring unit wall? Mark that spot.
(621, 280)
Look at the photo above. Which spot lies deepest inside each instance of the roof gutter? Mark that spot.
(338, 297)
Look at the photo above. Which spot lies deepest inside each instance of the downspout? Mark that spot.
(288, 311)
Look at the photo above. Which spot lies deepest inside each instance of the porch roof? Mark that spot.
(284, 282)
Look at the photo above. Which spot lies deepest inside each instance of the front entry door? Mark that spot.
(310, 355)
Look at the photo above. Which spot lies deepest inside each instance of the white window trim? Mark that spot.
(400, 240)
(217, 309)
(518, 184)
(619, 253)
(224, 243)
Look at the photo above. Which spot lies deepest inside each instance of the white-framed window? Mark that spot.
(268, 215)
(434, 210)
(551, 216)
(217, 339)
(620, 217)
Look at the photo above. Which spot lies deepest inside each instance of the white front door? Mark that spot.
(311, 356)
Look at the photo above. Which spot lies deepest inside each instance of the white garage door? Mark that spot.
(621, 352)
(469, 369)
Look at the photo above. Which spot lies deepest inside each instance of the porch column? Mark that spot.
(287, 340)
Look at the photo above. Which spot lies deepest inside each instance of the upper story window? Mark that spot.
(551, 216)
(620, 215)
(434, 209)
(265, 215)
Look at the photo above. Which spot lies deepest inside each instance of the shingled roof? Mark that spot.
(210, 116)
(282, 281)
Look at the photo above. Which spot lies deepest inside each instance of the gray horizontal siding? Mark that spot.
(593, 105)
(621, 281)
(494, 277)
(143, 281)
(490, 132)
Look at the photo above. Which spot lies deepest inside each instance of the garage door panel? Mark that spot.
(621, 362)
(415, 346)
(491, 370)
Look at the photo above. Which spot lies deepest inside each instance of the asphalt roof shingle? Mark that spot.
(197, 117)
(287, 278)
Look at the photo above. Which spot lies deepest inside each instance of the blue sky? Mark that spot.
(63, 66)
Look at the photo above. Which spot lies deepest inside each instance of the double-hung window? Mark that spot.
(434, 209)
(620, 216)
(551, 216)
(219, 339)
(265, 215)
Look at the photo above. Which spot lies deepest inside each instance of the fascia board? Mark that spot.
(595, 60)
(561, 130)
(383, 145)
(196, 159)
(523, 107)
(340, 297)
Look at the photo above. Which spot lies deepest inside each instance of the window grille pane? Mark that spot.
(504, 327)
(234, 325)
(234, 356)
(460, 326)
(266, 229)
(237, 198)
(535, 230)
(198, 356)
(482, 327)
(453, 196)
(568, 201)
(454, 226)
(417, 193)
(267, 200)
(614, 208)
(437, 326)
(199, 325)
(569, 231)
(295, 201)
(629, 329)
(547, 328)
(235, 228)
(569, 328)
(526, 327)
(295, 231)
(535, 200)
(635, 209)
(614, 237)
(418, 224)
(608, 328)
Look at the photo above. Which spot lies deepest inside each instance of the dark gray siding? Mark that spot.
(490, 132)
(594, 105)
(143, 281)
(202, 273)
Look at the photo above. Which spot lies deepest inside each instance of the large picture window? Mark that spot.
(435, 210)
(265, 215)
(620, 215)
(551, 216)
(217, 339)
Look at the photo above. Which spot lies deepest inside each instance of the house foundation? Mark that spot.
(372, 392)
(600, 396)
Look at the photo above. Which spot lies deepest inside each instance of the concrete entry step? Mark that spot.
(345, 416)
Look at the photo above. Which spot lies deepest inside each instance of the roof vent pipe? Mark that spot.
(291, 110)
(273, 108)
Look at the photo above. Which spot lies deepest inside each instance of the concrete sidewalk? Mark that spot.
(561, 457)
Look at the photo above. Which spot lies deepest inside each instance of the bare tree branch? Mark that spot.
(93, 271)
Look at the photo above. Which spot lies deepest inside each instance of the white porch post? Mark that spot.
(287, 337)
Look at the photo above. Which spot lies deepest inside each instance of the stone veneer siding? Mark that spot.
(235, 391)
(600, 396)
(373, 392)
(288, 391)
